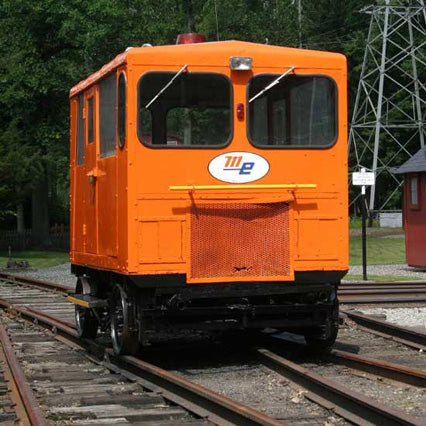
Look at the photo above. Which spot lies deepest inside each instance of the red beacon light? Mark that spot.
(189, 38)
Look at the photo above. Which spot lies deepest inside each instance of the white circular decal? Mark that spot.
(238, 167)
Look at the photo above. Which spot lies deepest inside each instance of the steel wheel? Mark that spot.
(86, 322)
(124, 337)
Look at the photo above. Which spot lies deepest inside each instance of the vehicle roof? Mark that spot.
(216, 54)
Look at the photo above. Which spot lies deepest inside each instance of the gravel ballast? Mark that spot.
(405, 317)
(402, 270)
(57, 274)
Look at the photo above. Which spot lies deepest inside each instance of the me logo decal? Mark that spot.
(238, 167)
(233, 162)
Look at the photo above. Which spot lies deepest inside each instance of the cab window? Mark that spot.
(107, 100)
(80, 130)
(298, 111)
(184, 110)
(90, 121)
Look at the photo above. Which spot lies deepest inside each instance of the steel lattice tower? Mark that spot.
(388, 123)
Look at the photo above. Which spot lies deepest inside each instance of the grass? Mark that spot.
(37, 259)
(380, 251)
(351, 277)
(356, 222)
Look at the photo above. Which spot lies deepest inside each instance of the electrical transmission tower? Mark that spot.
(389, 122)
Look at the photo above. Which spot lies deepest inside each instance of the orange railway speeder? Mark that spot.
(209, 191)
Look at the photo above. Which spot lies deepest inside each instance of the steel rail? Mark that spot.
(388, 329)
(386, 290)
(384, 298)
(357, 284)
(349, 404)
(32, 409)
(392, 371)
(226, 408)
(36, 283)
(195, 398)
(395, 292)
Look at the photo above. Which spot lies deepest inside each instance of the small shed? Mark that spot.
(414, 208)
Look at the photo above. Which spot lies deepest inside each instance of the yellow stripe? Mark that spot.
(78, 301)
(277, 186)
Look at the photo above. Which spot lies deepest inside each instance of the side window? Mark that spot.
(80, 131)
(107, 99)
(414, 191)
(121, 110)
(90, 124)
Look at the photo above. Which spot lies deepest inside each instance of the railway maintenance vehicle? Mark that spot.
(209, 191)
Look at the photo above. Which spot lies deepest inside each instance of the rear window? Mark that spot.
(185, 110)
(107, 99)
(80, 130)
(90, 121)
(298, 111)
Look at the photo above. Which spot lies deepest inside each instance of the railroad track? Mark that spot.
(349, 292)
(348, 404)
(90, 399)
(382, 292)
(16, 400)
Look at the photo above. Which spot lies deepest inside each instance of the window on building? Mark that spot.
(107, 100)
(193, 110)
(298, 111)
(90, 123)
(80, 130)
(121, 110)
(414, 191)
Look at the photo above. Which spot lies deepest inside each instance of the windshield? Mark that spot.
(298, 112)
(195, 110)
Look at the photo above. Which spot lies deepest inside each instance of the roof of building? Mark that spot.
(417, 163)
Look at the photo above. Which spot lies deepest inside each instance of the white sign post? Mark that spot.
(364, 179)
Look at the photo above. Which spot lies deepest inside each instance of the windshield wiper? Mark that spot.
(183, 69)
(269, 86)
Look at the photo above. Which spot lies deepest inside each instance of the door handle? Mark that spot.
(94, 174)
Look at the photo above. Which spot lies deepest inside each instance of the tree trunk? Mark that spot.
(40, 214)
(20, 222)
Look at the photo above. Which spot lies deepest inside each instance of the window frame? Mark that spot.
(80, 131)
(315, 147)
(231, 113)
(89, 98)
(102, 153)
(415, 176)
(121, 143)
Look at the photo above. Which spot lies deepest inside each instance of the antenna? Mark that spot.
(388, 123)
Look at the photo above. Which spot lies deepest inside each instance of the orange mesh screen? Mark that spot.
(240, 240)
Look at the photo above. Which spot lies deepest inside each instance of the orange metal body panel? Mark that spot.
(141, 227)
